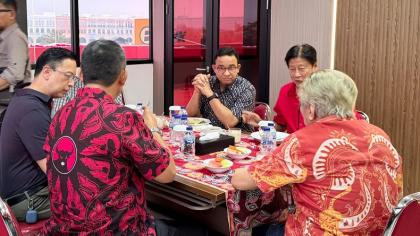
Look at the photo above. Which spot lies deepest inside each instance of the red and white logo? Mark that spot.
(64, 155)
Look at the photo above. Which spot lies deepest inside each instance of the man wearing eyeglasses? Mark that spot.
(14, 60)
(222, 98)
(23, 183)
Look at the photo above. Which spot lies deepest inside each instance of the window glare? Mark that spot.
(125, 21)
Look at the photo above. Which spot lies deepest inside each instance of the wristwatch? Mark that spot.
(156, 130)
(212, 97)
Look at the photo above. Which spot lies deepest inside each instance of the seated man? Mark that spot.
(78, 83)
(100, 153)
(25, 126)
(346, 176)
(223, 97)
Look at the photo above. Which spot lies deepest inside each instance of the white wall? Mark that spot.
(295, 22)
(139, 86)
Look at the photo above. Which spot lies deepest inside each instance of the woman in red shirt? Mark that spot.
(301, 61)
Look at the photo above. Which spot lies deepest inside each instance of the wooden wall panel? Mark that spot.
(378, 45)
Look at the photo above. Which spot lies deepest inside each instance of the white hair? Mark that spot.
(331, 92)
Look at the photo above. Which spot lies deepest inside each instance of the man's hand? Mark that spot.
(149, 118)
(250, 118)
(201, 82)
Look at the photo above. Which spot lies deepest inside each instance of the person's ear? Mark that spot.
(46, 72)
(213, 66)
(312, 112)
(123, 77)
(239, 67)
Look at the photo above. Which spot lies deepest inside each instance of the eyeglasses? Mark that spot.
(222, 69)
(69, 75)
(5, 10)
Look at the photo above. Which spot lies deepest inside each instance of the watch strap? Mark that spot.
(212, 97)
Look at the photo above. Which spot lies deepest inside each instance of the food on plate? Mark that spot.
(237, 150)
(197, 121)
(194, 165)
(219, 162)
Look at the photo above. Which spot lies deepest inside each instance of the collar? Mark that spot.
(96, 93)
(42, 96)
(8, 30)
(292, 90)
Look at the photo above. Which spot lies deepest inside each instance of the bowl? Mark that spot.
(218, 165)
(237, 153)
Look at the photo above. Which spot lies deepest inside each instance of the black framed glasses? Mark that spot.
(6, 10)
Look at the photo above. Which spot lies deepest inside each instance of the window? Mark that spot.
(104, 19)
(126, 22)
(48, 25)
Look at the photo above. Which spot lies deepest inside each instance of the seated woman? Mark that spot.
(301, 61)
(346, 176)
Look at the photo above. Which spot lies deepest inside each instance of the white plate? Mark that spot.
(194, 121)
(237, 156)
(279, 136)
(217, 169)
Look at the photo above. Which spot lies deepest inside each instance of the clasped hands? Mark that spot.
(201, 83)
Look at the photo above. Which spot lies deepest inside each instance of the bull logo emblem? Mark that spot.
(64, 155)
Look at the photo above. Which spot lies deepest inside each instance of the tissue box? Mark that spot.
(215, 145)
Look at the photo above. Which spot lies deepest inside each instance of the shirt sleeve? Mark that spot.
(32, 130)
(245, 102)
(148, 156)
(280, 168)
(17, 56)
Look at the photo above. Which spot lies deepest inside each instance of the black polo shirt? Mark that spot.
(22, 137)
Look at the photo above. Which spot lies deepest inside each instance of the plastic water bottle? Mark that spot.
(188, 146)
(184, 119)
(267, 142)
(273, 133)
(174, 121)
(139, 108)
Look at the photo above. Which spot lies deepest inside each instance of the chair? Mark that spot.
(10, 226)
(405, 218)
(360, 115)
(263, 110)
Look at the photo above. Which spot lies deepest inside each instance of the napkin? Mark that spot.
(210, 136)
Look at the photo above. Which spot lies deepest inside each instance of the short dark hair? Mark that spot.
(304, 51)
(52, 57)
(102, 62)
(226, 51)
(9, 3)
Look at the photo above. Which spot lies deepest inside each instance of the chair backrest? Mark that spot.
(360, 115)
(405, 218)
(263, 110)
(8, 223)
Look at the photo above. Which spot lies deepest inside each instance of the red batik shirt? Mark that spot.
(346, 177)
(99, 155)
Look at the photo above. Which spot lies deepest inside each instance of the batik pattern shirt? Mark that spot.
(78, 84)
(346, 177)
(99, 154)
(237, 97)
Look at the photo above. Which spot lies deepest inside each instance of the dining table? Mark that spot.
(210, 197)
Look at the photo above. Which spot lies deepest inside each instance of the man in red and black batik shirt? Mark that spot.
(100, 153)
